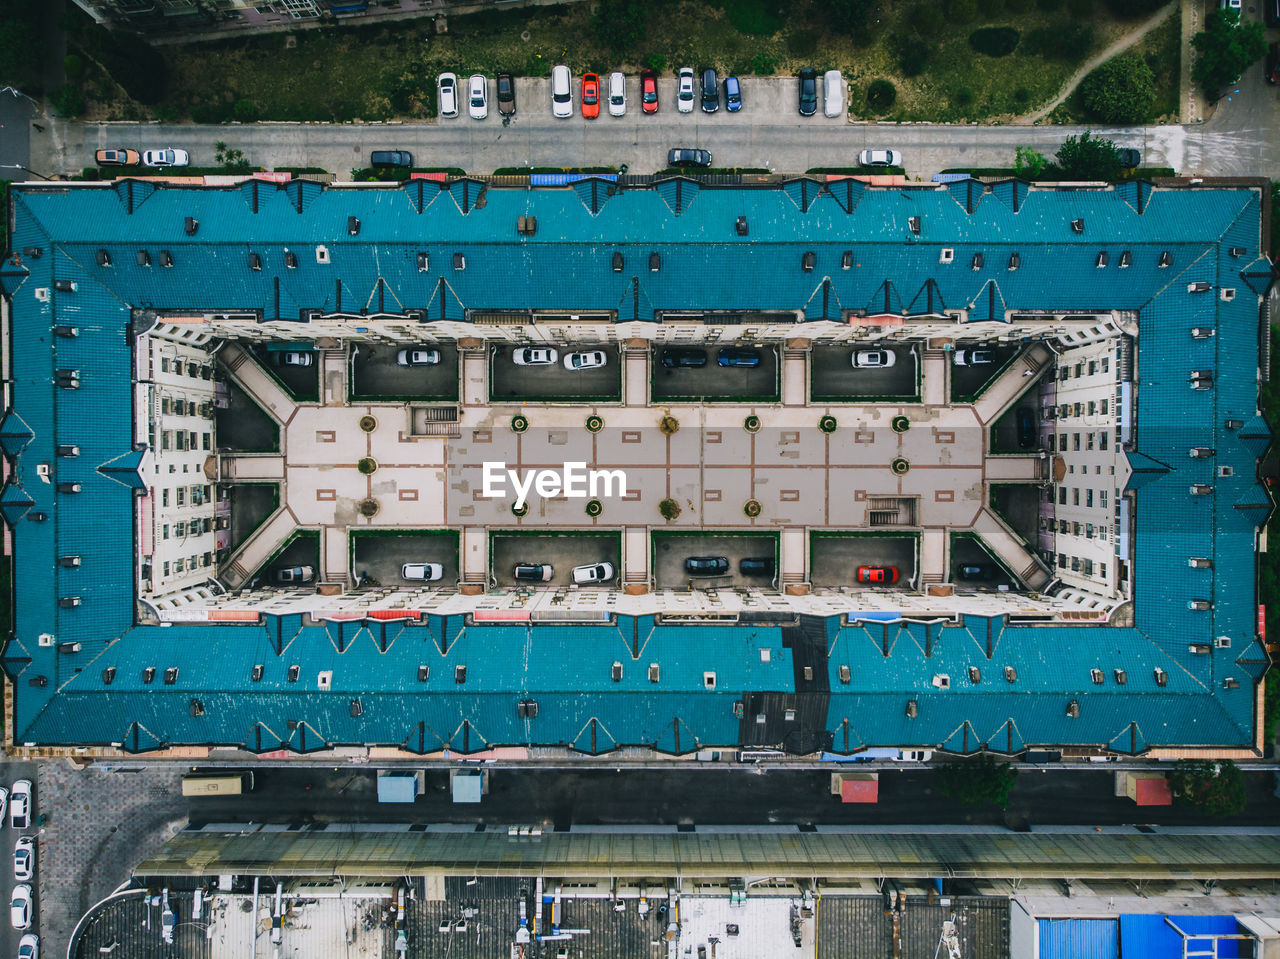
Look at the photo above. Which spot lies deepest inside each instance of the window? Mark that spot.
(1102, 407)
(1075, 564)
(179, 565)
(1075, 497)
(1102, 570)
(1088, 497)
(1106, 363)
(1102, 533)
(1063, 526)
(164, 368)
(165, 567)
(1063, 373)
(1088, 531)
(1102, 498)
(1093, 407)
(165, 529)
(206, 559)
(1079, 370)
(179, 529)
(1079, 408)
(1075, 442)
(182, 496)
(1064, 411)
(1102, 441)
(1093, 367)
(206, 441)
(1088, 567)
(1062, 442)
(1088, 440)
(1062, 561)
(1062, 495)
(164, 497)
(1075, 528)
(164, 404)
(164, 439)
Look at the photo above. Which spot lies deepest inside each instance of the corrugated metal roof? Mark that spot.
(1079, 939)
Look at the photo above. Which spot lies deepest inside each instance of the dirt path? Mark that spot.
(1128, 40)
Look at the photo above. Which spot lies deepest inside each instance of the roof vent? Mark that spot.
(913, 224)
(290, 260)
(355, 708)
(947, 255)
(1227, 294)
(104, 258)
(846, 260)
(1202, 332)
(1010, 674)
(1102, 260)
(1233, 424)
(171, 675)
(1077, 226)
(459, 674)
(1226, 470)
(423, 672)
(1161, 676)
(1230, 683)
(740, 226)
(33, 252)
(38, 681)
(655, 263)
(653, 672)
(459, 261)
(70, 602)
(149, 675)
(1237, 251)
(322, 254)
(1200, 562)
(975, 674)
(256, 673)
(977, 262)
(69, 487)
(65, 286)
(1096, 675)
(761, 719)
(1199, 604)
(1199, 286)
(255, 261)
(527, 709)
(353, 226)
(807, 261)
(144, 258)
(1201, 452)
(68, 449)
(294, 672)
(1015, 260)
(1201, 489)
(1200, 649)
(1121, 677)
(941, 681)
(618, 262)
(424, 262)
(615, 672)
(1166, 258)
(196, 708)
(166, 259)
(1222, 642)
(913, 709)
(1126, 258)
(709, 680)
(190, 225)
(844, 675)
(1073, 709)
(108, 675)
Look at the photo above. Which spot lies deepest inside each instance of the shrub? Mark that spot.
(1087, 157)
(245, 110)
(927, 20)
(1214, 788)
(72, 66)
(1080, 8)
(1022, 96)
(764, 64)
(962, 11)
(881, 95)
(911, 53)
(1028, 162)
(995, 41)
(990, 9)
(976, 782)
(962, 97)
(657, 62)
(1122, 90)
(538, 66)
(67, 101)
(1069, 42)
(669, 509)
(802, 43)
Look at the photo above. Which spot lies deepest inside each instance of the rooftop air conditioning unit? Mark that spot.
(72, 647)
(1233, 424)
(32, 252)
(290, 260)
(653, 672)
(355, 708)
(69, 562)
(709, 680)
(255, 261)
(1202, 332)
(1166, 258)
(294, 671)
(68, 449)
(1200, 562)
(1237, 251)
(256, 673)
(1096, 675)
(844, 675)
(1227, 294)
(975, 675)
(424, 262)
(69, 487)
(42, 294)
(618, 262)
(324, 679)
(1121, 677)
(424, 671)
(459, 261)
(846, 260)
(459, 674)
(1201, 452)
(655, 263)
(615, 672)
(1201, 489)
(108, 675)
(353, 226)
(149, 675)
(1161, 676)
(104, 258)
(527, 709)
(1230, 683)
(196, 708)
(1222, 642)
(807, 261)
(1010, 674)
(913, 224)
(171, 675)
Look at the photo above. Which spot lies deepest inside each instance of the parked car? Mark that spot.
(422, 572)
(1129, 157)
(1273, 61)
(732, 94)
(974, 357)
(391, 158)
(4, 803)
(756, 566)
(293, 574)
(561, 92)
(808, 92)
(447, 95)
(24, 859)
(975, 571)
(418, 356)
(649, 91)
(534, 356)
(677, 358)
(880, 158)
(617, 94)
(506, 95)
(29, 947)
(591, 95)
(594, 573)
(833, 93)
(684, 90)
(117, 158)
(687, 156)
(478, 97)
(873, 359)
(1028, 433)
(710, 91)
(1271, 12)
(20, 907)
(533, 572)
(20, 804)
(707, 565)
(737, 356)
(877, 575)
(294, 357)
(586, 360)
(170, 157)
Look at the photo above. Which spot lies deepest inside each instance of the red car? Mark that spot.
(880, 575)
(590, 95)
(649, 91)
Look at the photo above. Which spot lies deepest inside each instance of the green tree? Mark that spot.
(1087, 157)
(1122, 90)
(620, 24)
(1216, 789)
(1028, 162)
(977, 782)
(21, 48)
(1226, 49)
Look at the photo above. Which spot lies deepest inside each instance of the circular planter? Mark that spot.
(519, 423)
(595, 423)
(827, 424)
(520, 510)
(752, 508)
(368, 508)
(669, 425)
(594, 507)
(366, 465)
(900, 424)
(669, 509)
(751, 424)
(368, 423)
(899, 466)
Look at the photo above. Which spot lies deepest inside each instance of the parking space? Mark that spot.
(834, 558)
(562, 550)
(251, 504)
(670, 550)
(14, 773)
(552, 382)
(243, 425)
(300, 379)
(1019, 429)
(377, 374)
(302, 550)
(677, 375)
(980, 569)
(377, 560)
(983, 363)
(834, 378)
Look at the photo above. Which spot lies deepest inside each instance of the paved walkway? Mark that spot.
(1124, 43)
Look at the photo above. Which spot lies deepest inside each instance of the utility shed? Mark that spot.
(856, 787)
(398, 786)
(467, 785)
(1145, 789)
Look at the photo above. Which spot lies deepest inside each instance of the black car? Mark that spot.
(808, 92)
(391, 158)
(506, 95)
(710, 91)
(686, 156)
(730, 356)
(756, 566)
(706, 565)
(1129, 157)
(1027, 431)
(532, 572)
(973, 571)
(677, 359)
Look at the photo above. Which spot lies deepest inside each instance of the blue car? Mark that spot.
(732, 94)
(732, 357)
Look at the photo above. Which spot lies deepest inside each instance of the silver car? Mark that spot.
(593, 573)
(418, 357)
(585, 360)
(422, 572)
(478, 97)
(447, 95)
(617, 94)
(833, 93)
(684, 90)
(873, 359)
(534, 356)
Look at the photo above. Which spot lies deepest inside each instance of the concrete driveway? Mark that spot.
(553, 384)
(834, 378)
(562, 550)
(834, 559)
(670, 552)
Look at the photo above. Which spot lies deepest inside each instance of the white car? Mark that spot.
(478, 97)
(534, 356)
(873, 359)
(595, 573)
(585, 360)
(20, 804)
(20, 907)
(422, 572)
(561, 92)
(880, 158)
(684, 90)
(4, 803)
(833, 93)
(418, 357)
(617, 94)
(29, 947)
(165, 158)
(963, 358)
(24, 859)
(447, 95)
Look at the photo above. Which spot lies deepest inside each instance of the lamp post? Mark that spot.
(15, 166)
